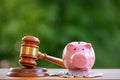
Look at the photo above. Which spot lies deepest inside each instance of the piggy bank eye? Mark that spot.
(83, 49)
(74, 49)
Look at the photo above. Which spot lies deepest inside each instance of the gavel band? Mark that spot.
(25, 50)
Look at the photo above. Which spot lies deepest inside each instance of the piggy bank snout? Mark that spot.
(79, 60)
(78, 55)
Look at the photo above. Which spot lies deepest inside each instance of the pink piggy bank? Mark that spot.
(78, 56)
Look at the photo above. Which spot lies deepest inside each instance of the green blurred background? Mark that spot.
(58, 22)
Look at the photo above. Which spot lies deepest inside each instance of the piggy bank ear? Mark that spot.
(88, 45)
(70, 46)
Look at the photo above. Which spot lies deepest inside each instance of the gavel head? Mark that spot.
(29, 51)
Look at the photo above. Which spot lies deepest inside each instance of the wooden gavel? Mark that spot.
(29, 53)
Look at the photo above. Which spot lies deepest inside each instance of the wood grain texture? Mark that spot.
(107, 74)
(31, 72)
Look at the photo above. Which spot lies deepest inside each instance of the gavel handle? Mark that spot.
(55, 60)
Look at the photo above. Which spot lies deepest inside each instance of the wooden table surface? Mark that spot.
(107, 74)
